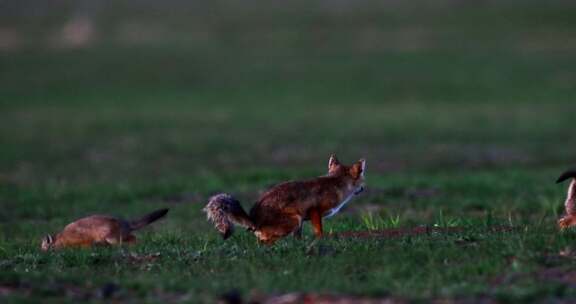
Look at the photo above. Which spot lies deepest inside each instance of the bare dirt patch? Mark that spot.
(318, 298)
(565, 275)
(305, 298)
(401, 232)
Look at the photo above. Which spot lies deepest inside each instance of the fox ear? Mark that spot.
(48, 239)
(333, 161)
(47, 242)
(358, 168)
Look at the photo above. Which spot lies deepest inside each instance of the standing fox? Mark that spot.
(99, 230)
(282, 209)
(570, 204)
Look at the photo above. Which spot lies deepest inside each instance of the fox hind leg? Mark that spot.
(114, 239)
(279, 229)
(266, 235)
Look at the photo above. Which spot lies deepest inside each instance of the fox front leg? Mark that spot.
(316, 219)
(298, 232)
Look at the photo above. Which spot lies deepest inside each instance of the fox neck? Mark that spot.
(336, 209)
(57, 240)
(347, 195)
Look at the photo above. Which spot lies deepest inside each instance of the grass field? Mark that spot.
(464, 113)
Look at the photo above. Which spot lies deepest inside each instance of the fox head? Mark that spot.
(47, 242)
(355, 172)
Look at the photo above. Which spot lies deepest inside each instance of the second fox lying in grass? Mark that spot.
(99, 230)
(282, 209)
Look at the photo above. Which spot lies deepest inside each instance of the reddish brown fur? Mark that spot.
(98, 230)
(567, 221)
(282, 209)
(92, 230)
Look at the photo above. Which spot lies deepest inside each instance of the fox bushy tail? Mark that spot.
(224, 211)
(147, 219)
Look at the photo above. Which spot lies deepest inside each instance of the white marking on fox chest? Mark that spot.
(336, 209)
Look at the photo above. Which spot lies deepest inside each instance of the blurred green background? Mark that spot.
(94, 90)
(462, 107)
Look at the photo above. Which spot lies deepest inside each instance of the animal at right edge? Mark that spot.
(569, 219)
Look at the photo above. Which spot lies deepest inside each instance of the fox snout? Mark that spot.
(359, 190)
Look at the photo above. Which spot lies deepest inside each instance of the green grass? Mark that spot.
(465, 115)
(194, 263)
